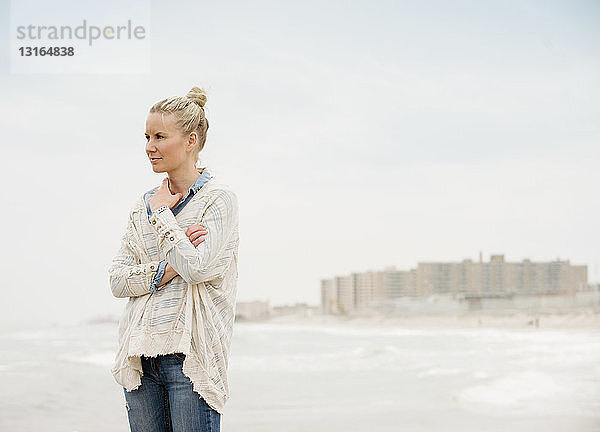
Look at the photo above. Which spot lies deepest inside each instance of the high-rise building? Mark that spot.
(344, 294)
(328, 297)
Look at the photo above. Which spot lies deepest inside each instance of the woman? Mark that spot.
(178, 266)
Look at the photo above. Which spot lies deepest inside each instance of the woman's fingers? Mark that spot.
(194, 227)
(195, 234)
(198, 241)
(197, 237)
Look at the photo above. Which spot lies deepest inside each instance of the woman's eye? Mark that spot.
(157, 136)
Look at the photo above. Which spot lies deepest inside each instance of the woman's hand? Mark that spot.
(163, 196)
(170, 273)
(195, 233)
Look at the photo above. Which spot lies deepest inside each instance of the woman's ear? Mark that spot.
(192, 140)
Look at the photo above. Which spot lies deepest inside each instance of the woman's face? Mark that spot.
(165, 144)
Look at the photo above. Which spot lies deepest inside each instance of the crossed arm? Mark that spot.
(197, 254)
(129, 279)
(165, 271)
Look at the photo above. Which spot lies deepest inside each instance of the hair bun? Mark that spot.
(198, 95)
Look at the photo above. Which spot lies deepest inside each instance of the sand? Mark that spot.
(588, 319)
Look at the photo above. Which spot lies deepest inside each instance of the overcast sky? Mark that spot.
(357, 135)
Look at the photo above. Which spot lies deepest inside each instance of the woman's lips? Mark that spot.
(154, 160)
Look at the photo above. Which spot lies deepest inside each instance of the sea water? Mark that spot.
(318, 377)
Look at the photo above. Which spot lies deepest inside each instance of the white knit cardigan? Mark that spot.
(194, 312)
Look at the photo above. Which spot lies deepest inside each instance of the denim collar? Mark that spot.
(204, 177)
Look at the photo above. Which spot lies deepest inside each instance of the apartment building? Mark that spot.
(344, 294)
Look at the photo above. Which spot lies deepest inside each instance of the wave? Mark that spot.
(362, 358)
(513, 392)
(99, 358)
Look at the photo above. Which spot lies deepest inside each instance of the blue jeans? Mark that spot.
(165, 401)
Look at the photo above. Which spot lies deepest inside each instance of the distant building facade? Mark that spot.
(301, 309)
(359, 291)
(261, 310)
(253, 310)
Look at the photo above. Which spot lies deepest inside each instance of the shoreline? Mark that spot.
(588, 319)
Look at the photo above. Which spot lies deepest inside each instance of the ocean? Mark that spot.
(326, 377)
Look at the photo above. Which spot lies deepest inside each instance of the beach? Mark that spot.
(425, 373)
(587, 319)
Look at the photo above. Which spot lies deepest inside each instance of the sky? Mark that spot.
(357, 136)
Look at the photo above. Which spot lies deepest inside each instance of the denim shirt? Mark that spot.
(204, 177)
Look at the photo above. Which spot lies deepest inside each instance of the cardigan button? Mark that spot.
(153, 222)
(171, 238)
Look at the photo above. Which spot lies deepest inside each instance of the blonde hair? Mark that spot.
(189, 114)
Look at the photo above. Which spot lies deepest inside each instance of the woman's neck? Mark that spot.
(182, 181)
